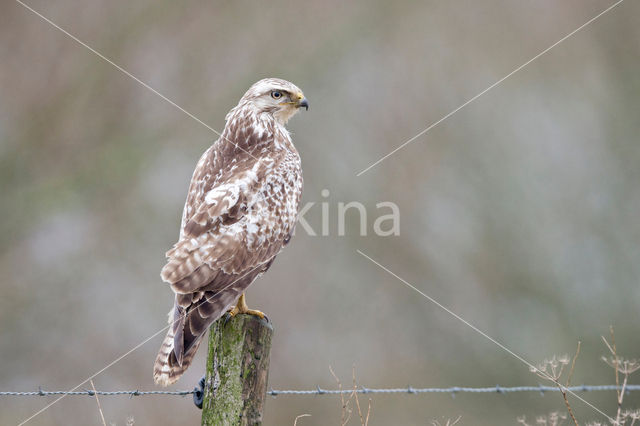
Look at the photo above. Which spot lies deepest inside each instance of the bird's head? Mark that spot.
(280, 98)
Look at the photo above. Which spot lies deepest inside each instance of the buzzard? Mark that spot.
(241, 210)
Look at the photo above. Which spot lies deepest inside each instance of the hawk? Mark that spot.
(241, 210)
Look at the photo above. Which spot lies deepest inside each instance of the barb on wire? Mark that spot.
(319, 391)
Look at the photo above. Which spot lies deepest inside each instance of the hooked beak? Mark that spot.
(301, 101)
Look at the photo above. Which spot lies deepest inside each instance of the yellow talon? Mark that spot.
(233, 311)
(258, 314)
(242, 308)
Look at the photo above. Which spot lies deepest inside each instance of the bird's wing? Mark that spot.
(228, 231)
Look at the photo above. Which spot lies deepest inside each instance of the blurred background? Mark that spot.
(520, 212)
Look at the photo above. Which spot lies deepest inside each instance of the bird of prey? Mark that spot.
(241, 210)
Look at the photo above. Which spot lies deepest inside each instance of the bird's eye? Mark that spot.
(276, 95)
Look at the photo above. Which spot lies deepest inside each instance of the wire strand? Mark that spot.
(319, 391)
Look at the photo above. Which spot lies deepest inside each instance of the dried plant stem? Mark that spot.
(366, 421)
(614, 351)
(363, 421)
(104, 423)
(573, 364)
(552, 369)
(563, 389)
(346, 412)
(566, 402)
(621, 395)
(615, 366)
(295, 422)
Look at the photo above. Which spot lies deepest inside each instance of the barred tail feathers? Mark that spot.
(166, 369)
(190, 320)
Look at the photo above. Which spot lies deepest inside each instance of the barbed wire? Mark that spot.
(457, 389)
(319, 391)
(89, 392)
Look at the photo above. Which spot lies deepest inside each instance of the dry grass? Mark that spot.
(553, 369)
(347, 401)
(552, 419)
(346, 409)
(624, 367)
(447, 422)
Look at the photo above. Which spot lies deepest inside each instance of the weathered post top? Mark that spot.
(237, 371)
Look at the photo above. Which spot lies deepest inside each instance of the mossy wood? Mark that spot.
(237, 371)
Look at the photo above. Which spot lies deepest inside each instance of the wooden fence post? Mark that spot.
(237, 370)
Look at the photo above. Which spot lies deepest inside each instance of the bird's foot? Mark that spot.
(253, 312)
(236, 310)
(242, 308)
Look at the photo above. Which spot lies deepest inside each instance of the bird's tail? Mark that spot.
(166, 369)
(187, 326)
